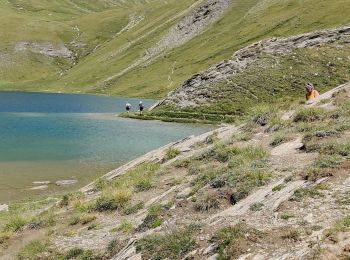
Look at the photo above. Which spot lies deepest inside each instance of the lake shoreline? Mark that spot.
(52, 137)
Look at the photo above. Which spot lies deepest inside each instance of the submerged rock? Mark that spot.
(41, 187)
(66, 182)
(41, 182)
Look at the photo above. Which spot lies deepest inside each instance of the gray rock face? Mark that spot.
(190, 26)
(194, 91)
(46, 48)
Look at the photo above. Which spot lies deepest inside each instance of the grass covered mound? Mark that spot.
(271, 81)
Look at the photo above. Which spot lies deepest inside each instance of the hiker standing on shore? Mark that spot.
(127, 107)
(311, 92)
(141, 107)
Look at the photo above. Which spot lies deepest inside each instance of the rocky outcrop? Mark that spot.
(45, 48)
(192, 25)
(193, 92)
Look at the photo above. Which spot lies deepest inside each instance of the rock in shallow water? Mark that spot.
(66, 182)
(41, 187)
(41, 182)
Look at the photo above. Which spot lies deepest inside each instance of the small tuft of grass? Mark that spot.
(124, 227)
(47, 219)
(243, 136)
(291, 234)
(182, 163)
(143, 184)
(287, 216)
(327, 161)
(256, 206)
(153, 218)
(112, 200)
(280, 138)
(65, 200)
(316, 227)
(132, 209)
(342, 225)
(315, 173)
(224, 153)
(329, 148)
(310, 114)
(262, 114)
(211, 139)
(276, 124)
(33, 250)
(83, 219)
(15, 224)
(173, 245)
(74, 220)
(114, 247)
(344, 199)
(79, 253)
(312, 192)
(278, 187)
(234, 240)
(207, 201)
(4, 237)
(87, 218)
(101, 183)
(171, 153)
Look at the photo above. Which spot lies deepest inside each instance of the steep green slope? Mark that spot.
(244, 23)
(109, 39)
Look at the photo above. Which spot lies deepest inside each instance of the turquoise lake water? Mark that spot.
(51, 137)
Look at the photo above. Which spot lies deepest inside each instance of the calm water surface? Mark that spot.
(51, 137)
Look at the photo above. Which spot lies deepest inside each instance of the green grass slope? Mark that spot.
(109, 36)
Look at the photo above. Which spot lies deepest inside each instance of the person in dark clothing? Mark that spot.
(127, 107)
(141, 108)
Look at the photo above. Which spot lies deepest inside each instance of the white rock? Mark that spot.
(4, 207)
(213, 257)
(186, 149)
(288, 148)
(41, 182)
(209, 249)
(41, 187)
(66, 182)
(184, 193)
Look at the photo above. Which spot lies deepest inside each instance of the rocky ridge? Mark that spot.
(193, 92)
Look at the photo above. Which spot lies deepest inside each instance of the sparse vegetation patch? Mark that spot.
(172, 245)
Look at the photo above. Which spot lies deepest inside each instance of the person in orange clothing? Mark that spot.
(311, 92)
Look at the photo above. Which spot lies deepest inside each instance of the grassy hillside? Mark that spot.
(107, 37)
(273, 188)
